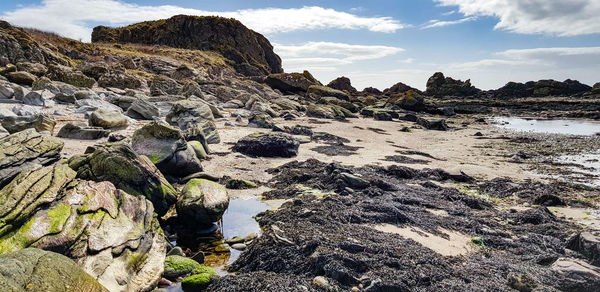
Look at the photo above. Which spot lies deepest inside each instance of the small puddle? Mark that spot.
(560, 126)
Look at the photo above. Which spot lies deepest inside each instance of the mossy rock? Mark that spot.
(202, 202)
(239, 184)
(178, 266)
(199, 150)
(196, 283)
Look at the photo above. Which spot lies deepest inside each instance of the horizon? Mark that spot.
(380, 44)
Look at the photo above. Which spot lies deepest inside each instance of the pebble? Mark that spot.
(239, 246)
(321, 282)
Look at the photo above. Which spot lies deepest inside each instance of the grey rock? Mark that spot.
(72, 131)
(38, 97)
(142, 110)
(25, 110)
(107, 119)
(39, 122)
(202, 203)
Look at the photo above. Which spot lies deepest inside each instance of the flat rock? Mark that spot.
(268, 145)
(72, 131)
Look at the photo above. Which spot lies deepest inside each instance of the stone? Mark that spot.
(72, 131)
(33, 269)
(36, 69)
(382, 116)
(239, 246)
(323, 91)
(142, 110)
(6, 91)
(588, 244)
(354, 181)
(70, 76)
(439, 125)
(202, 202)
(521, 282)
(261, 121)
(90, 105)
(187, 114)
(107, 119)
(25, 150)
(163, 85)
(21, 77)
(5, 113)
(239, 184)
(120, 80)
(176, 251)
(440, 86)
(113, 236)
(38, 97)
(25, 110)
(166, 147)
(178, 266)
(39, 122)
(199, 150)
(136, 175)
(268, 145)
(328, 112)
(576, 275)
(342, 83)
(202, 277)
(291, 82)
(191, 88)
(321, 282)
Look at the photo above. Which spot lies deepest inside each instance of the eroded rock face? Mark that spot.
(120, 165)
(114, 236)
(167, 149)
(268, 145)
(251, 53)
(25, 150)
(33, 269)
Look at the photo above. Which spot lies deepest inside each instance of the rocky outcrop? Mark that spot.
(250, 52)
(291, 82)
(39, 122)
(70, 76)
(17, 46)
(190, 114)
(440, 86)
(33, 269)
(324, 91)
(114, 236)
(136, 175)
(167, 149)
(268, 145)
(202, 203)
(26, 150)
(342, 83)
(540, 88)
(400, 88)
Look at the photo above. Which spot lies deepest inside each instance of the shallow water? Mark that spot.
(586, 165)
(239, 220)
(562, 126)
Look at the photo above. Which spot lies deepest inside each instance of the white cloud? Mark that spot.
(74, 18)
(560, 17)
(449, 13)
(342, 51)
(439, 23)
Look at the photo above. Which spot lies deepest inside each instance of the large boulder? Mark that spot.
(39, 122)
(25, 150)
(114, 236)
(330, 111)
(37, 97)
(440, 86)
(120, 80)
(202, 203)
(250, 52)
(324, 91)
(163, 85)
(21, 77)
(107, 119)
(576, 275)
(33, 269)
(342, 83)
(36, 69)
(400, 88)
(82, 132)
(136, 175)
(291, 82)
(268, 145)
(540, 88)
(70, 76)
(142, 110)
(187, 114)
(166, 147)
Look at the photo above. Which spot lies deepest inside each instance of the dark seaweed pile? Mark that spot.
(331, 237)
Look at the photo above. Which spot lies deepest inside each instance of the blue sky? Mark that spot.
(377, 42)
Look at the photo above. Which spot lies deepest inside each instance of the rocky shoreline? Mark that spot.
(122, 158)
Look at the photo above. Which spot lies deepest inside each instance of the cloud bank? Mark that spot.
(558, 17)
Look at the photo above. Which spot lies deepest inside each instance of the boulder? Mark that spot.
(72, 131)
(328, 112)
(142, 110)
(113, 236)
(408, 100)
(439, 125)
(575, 275)
(33, 269)
(56, 87)
(588, 244)
(291, 82)
(199, 149)
(21, 77)
(24, 150)
(179, 266)
(186, 114)
(38, 97)
(120, 80)
(107, 119)
(202, 203)
(70, 76)
(596, 88)
(26, 110)
(399, 88)
(163, 85)
(36, 69)
(90, 105)
(287, 104)
(5, 113)
(322, 91)
(191, 88)
(268, 145)
(136, 175)
(166, 147)
(261, 121)
(250, 53)
(342, 83)
(440, 86)
(39, 122)
(6, 91)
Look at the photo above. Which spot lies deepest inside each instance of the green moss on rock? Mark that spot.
(177, 266)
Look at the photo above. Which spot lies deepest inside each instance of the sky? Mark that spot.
(376, 42)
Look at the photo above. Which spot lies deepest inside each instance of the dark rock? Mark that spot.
(36, 69)
(37, 98)
(540, 88)
(39, 122)
(323, 91)
(163, 85)
(291, 82)
(21, 77)
(70, 76)
(372, 90)
(400, 88)
(25, 150)
(576, 275)
(588, 244)
(268, 145)
(71, 131)
(142, 110)
(120, 80)
(251, 53)
(440, 86)
(439, 125)
(342, 83)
